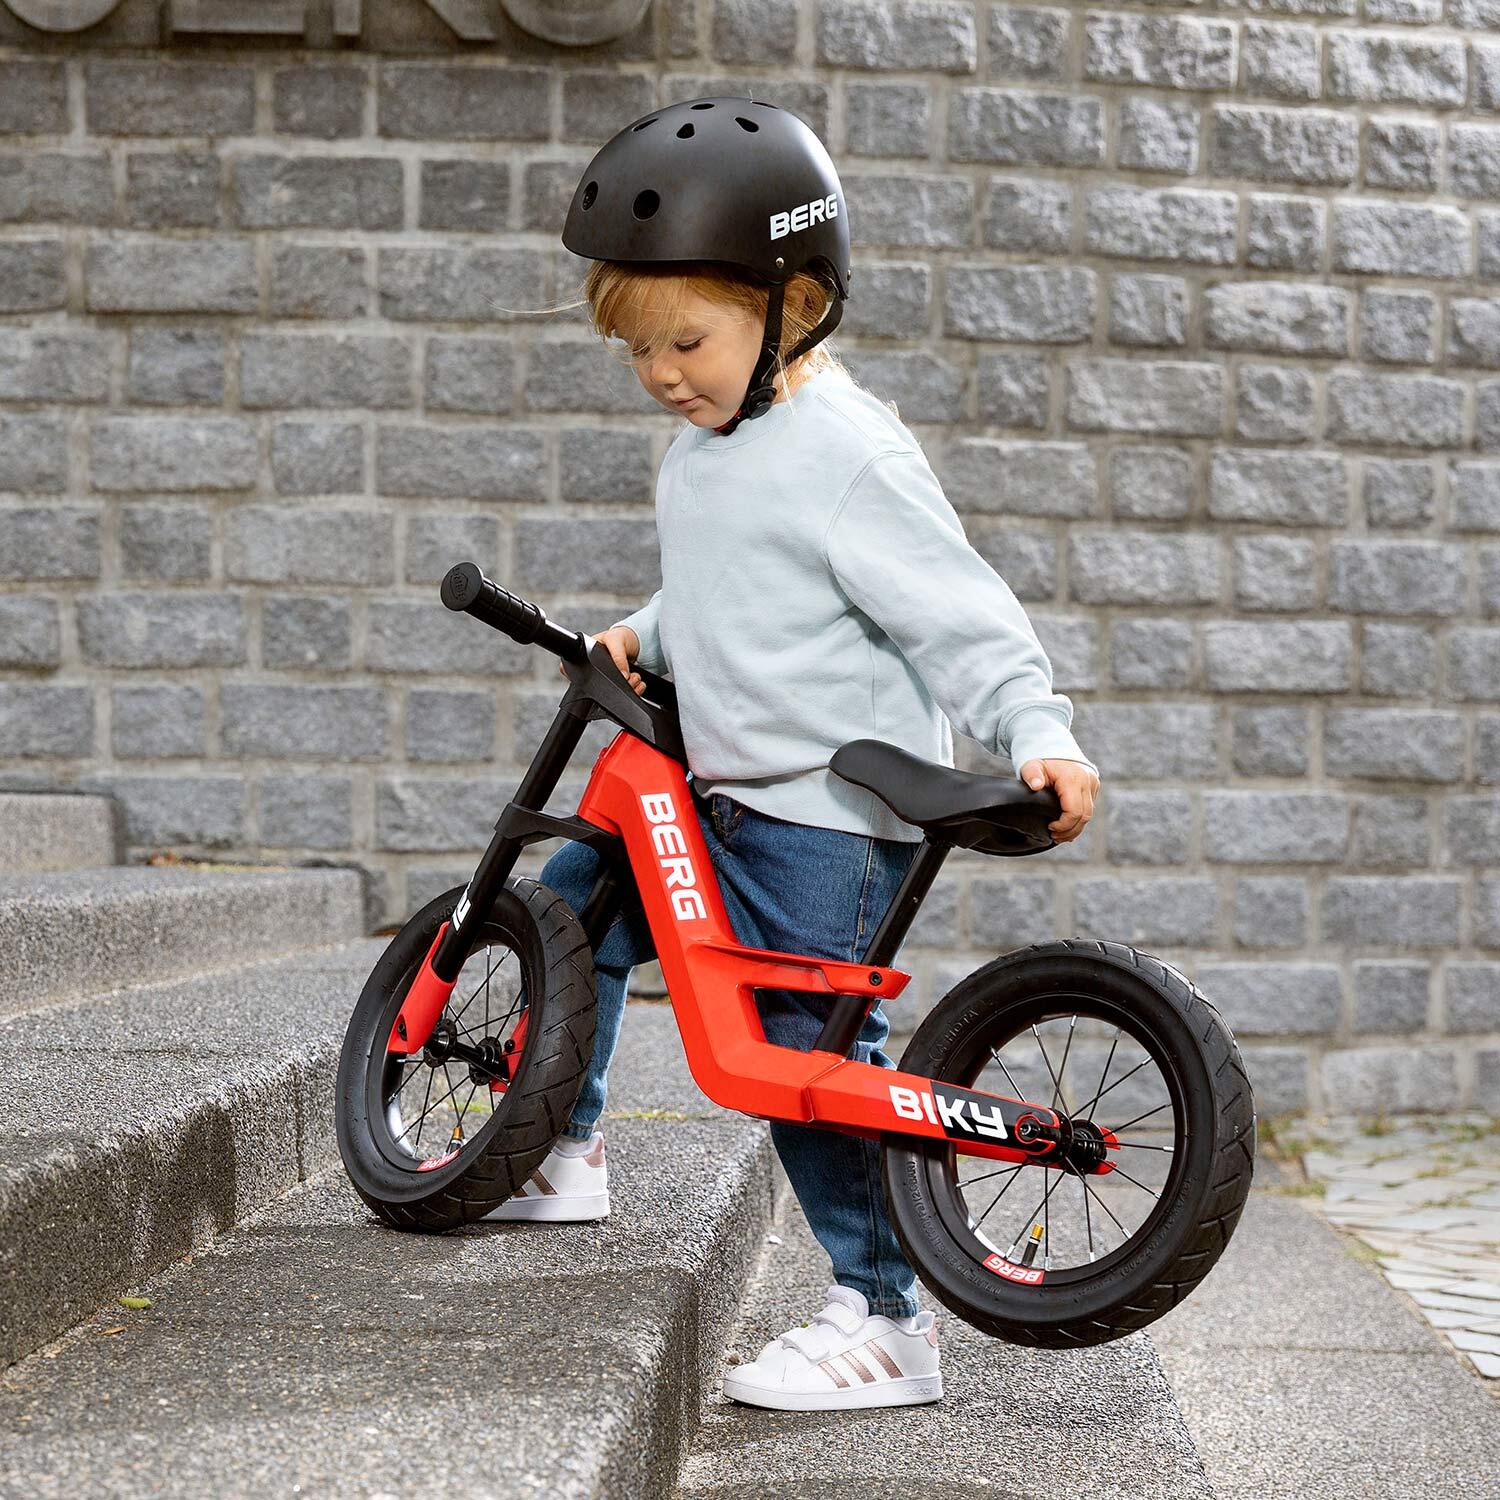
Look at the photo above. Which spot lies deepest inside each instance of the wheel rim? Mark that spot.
(1094, 1062)
(433, 1111)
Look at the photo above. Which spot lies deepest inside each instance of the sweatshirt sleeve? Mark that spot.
(646, 622)
(898, 550)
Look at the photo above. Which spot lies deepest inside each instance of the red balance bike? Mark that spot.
(1067, 1143)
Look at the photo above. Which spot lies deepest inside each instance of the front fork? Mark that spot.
(519, 825)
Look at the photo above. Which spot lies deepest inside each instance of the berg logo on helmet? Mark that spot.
(815, 212)
(672, 855)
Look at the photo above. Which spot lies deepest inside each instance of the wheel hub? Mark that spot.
(1084, 1148)
(440, 1045)
(492, 1060)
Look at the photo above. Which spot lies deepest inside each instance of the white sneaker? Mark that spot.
(846, 1357)
(563, 1188)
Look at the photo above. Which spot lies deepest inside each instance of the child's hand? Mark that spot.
(1076, 785)
(624, 645)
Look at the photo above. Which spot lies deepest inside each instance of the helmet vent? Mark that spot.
(589, 194)
(645, 123)
(646, 203)
(749, 125)
(685, 132)
(708, 105)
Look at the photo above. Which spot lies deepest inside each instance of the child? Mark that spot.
(816, 588)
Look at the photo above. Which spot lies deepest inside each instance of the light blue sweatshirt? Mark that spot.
(817, 588)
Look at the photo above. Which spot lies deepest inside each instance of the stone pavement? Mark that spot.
(1424, 1196)
(1303, 1375)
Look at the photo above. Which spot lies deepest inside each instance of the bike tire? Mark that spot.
(558, 982)
(1209, 1185)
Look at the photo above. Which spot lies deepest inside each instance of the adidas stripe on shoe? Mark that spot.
(564, 1189)
(845, 1358)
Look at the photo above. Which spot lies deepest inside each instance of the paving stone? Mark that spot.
(1400, 1201)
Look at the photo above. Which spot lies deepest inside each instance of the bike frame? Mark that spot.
(638, 810)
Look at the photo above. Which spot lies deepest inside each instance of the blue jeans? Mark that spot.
(794, 888)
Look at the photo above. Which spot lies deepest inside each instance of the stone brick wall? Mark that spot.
(1194, 307)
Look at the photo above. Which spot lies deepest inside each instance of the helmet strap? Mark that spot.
(817, 335)
(761, 392)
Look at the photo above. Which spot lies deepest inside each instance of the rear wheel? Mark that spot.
(436, 1138)
(1162, 1122)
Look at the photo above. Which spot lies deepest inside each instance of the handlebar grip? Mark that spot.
(465, 589)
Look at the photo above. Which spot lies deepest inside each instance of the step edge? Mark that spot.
(144, 1158)
(341, 902)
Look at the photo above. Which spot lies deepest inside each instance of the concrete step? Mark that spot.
(137, 1125)
(313, 1347)
(58, 831)
(69, 934)
(1305, 1376)
(1012, 1422)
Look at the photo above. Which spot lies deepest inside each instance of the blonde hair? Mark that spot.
(652, 302)
(651, 299)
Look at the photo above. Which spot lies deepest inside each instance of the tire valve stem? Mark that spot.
(457, 1138)
(1033, 1244)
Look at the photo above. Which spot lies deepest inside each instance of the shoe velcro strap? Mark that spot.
(813, 1342)
(842, 1317)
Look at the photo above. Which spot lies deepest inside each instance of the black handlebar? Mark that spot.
(467, 590)
(651, 715)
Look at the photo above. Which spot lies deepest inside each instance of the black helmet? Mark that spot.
(728, 179)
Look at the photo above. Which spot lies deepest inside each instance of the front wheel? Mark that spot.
(436, 1138)
(1150, 1079)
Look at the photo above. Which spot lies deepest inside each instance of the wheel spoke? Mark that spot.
(508, 1014)
(425, 1097)
(1056, 1086)
(1062, 1067)
(1097, 1097)
(457, 1015)
(1142, 1146)
(463, 1114)
(1011, 1081)
(411, 1133)
(435, 1103)
(470, 1032)
(482, 985)
(467, 1032)
(1041, 1207)
(1126, 1126)
(998, 1196)
(1102, 1204)
(1107, 1061)
(489, 972)
(985, 1176)
(1087, 1222)
(448, 1079)
(1120, 1171)
(1047, 1226)
(428, 1109)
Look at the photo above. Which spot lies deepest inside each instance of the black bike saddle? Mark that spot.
(989, 814)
